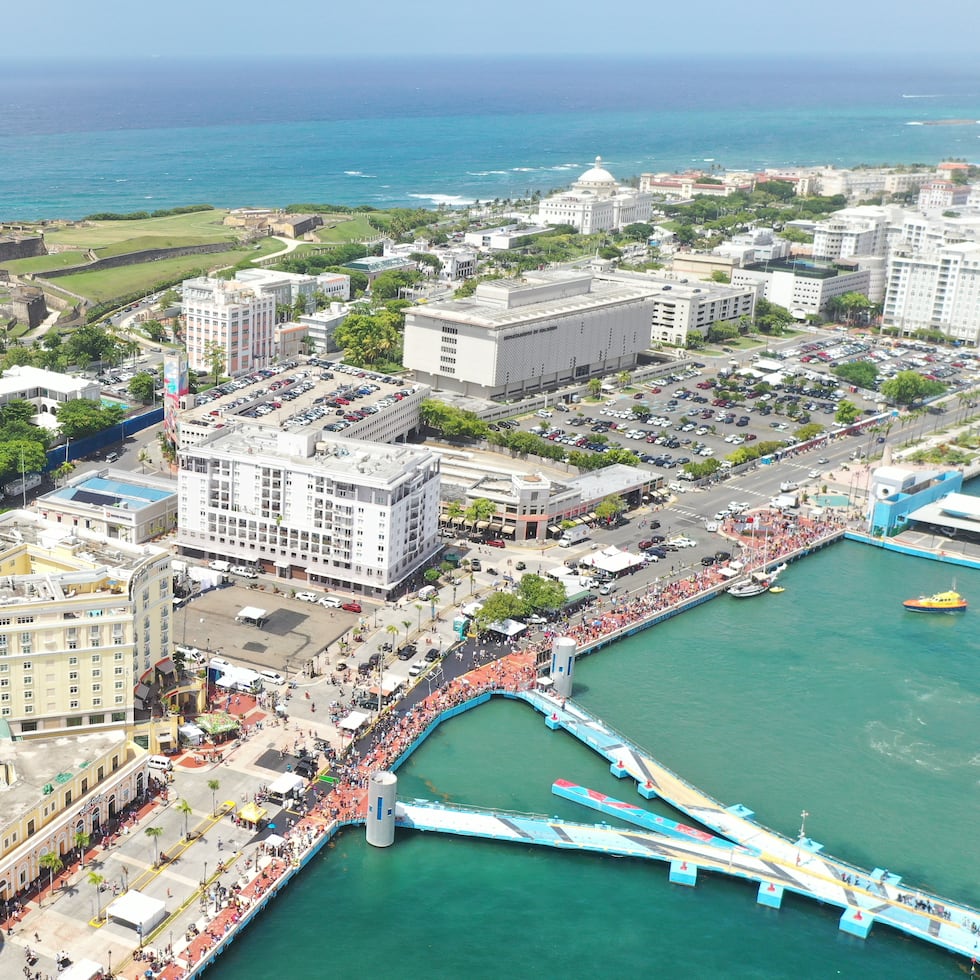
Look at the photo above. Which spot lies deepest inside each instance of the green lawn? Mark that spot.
(181, 229)
(41, 263)
(340, 228)
(107, 284)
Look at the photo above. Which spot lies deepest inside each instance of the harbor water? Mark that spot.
(827, 698)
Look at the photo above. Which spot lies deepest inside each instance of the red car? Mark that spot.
(496, 544)
(354, 607)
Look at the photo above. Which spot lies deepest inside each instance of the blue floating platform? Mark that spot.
(809, 844)
(856, 922)
(553, 721)
(683, 873)
(618, 769)
(741, 810)
(646, 790)
(770, 894)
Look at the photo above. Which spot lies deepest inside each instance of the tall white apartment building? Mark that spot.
(83, 623)
(856, 231)
(801, 285)
(935, 289)
(346, 514)
(238, 319)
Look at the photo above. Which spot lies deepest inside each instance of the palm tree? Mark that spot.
(154, 834)
(595, 387)
(407, 623)
(624, 378)
(393, 630)
(214, 786)
(420, 606)
(144, 457)
(53, 863)
(186, 809)
(95, 880)
(81, 841)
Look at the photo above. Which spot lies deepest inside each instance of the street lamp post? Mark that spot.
(803, 817)
(109, 968)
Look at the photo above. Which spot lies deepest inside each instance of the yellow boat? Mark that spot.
(940, 602)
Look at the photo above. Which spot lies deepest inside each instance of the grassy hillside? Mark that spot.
(114, 237)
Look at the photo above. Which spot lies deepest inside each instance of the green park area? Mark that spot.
(143, 277)
(171, 231)
(341, 228)
(42, 263)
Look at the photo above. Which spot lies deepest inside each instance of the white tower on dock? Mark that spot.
(380, 823)
(563, 664)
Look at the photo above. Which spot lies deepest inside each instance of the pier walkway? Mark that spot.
(742, 847)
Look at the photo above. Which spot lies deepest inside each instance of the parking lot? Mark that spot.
(294, 632)
(707, 410)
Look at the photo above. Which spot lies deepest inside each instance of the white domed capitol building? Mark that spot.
(596, 202)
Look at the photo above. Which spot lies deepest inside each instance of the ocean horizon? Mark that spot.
(155, 133)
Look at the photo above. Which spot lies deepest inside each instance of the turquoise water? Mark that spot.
(826, 697)
(832, 499)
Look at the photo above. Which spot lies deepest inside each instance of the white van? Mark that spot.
(219, 566)
(429, 592)
(160, 762)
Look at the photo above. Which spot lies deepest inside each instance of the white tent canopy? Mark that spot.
(613, 560)
(354, 721)
(509, 627)
(191, 733)
(81, 970)
(286, 783)
(139, 910)
(252, 615)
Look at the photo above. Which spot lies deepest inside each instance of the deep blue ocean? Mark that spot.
(123, 136)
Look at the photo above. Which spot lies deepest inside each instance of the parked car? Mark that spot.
(406, 652)
(431, 655)
(244, 571)
(330, 602)
(307, 597)
(354, 607)
(496, 543)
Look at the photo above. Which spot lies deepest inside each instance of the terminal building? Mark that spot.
(804, 286)
(83, 623)
(513, 337)
(339, 513)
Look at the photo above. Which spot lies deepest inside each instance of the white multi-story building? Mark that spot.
(682, 308)
(84, 622)
(45, 390)
(856, 231)
(533, 334)
(232, 317)
(288, 287)
(755, 245)
(801, 285)
(935, 289)
(691, 183)
(940, 195)
(596, 202)
(345, 514)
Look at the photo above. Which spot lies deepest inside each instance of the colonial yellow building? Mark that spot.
(85, 627)
(55, 789)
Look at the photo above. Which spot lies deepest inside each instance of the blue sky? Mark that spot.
(107, 28)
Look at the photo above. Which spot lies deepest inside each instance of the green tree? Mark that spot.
(155, 330)
(610, 508)
(864, 374)
(95, 880)
(538, 592)
(17, 410)
(908, 387)
(497, 607)
(370, 338)
(20, 456)
(624, 378)
(185, 810)
(81, 841)
(83, 417)
(215, 355)
(214, 786)
(481, 509)
(595, 387)
(807, 432)
(143, 387)
(154, 833)
(388, 284)
(847, 412)
(52, 863)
